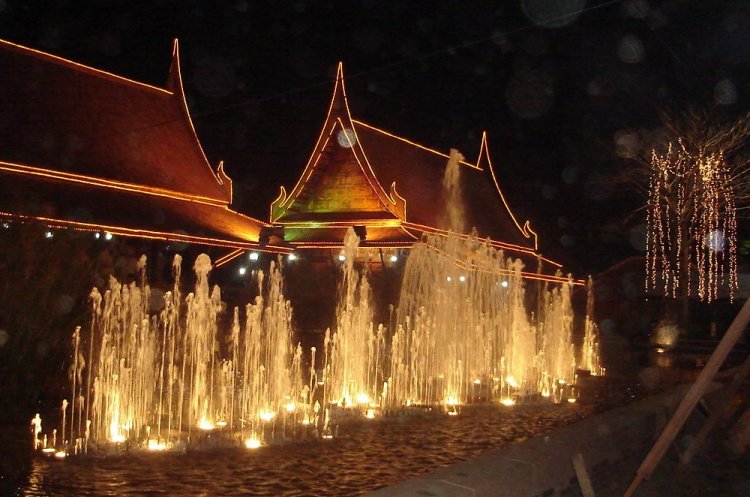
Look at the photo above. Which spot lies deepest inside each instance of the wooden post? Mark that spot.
(583, 476)
(693, 395)
(720, 414)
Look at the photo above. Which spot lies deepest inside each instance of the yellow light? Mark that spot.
(363, 398)
(156, 445)
(306, 421)
(394, 258)
(342, 257)
(48, 450)
(142, 233)
(571, 400)
(507, 401)
(266, 415)
(252, 443)
(61, 454)
(205, 425)
(370, 414)
(292, 257)
(511, 381)
(290, 407)
(114, 432)
(228, 257)
(221, 424)
(108, 236)
(477, 381)
(462, 278)
(108, 184)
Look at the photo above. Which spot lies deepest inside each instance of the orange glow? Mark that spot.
(338, 245)
(393, 203)
(371, 178)
(148, 234)
(175, 81)
(370, 223)
(107, 183)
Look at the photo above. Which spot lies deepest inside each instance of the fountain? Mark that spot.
(355, 351)
(161, 382)
(463, 333)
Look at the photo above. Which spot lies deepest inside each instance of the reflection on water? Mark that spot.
(365, 456)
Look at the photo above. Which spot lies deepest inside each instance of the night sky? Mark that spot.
(565, 98)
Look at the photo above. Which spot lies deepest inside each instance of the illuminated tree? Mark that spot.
(696, 185)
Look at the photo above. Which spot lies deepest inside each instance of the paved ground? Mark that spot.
(716, 472)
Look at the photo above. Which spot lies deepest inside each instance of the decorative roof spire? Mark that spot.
(339, 127)
(484, 162)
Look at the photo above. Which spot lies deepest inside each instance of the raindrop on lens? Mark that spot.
(725, 92)
(630, 50)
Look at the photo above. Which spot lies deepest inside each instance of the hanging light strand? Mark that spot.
(692, 225)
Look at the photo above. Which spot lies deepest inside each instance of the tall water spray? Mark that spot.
(157, 380)
(590, 359)
(355, 349)
(463, 330)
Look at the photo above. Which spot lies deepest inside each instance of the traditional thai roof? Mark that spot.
(390, 188)
(99, 151)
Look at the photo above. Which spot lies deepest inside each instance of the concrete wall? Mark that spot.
(542, 467)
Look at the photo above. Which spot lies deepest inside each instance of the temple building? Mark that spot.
(390, 191)
(92, 151)
(88, 150)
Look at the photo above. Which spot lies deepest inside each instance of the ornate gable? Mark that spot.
(338, 183)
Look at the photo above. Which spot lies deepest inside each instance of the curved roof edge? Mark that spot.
(175, 86)
(484, 156)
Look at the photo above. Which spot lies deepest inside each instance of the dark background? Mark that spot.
(568, 90)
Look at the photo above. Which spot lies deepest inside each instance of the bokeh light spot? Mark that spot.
(553, 13)
(567, 241)
(725, 92)
(630, 49)
(627, 144)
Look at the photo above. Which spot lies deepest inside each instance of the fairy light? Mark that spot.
(339, 126)
(691, 202)
(144, 233)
